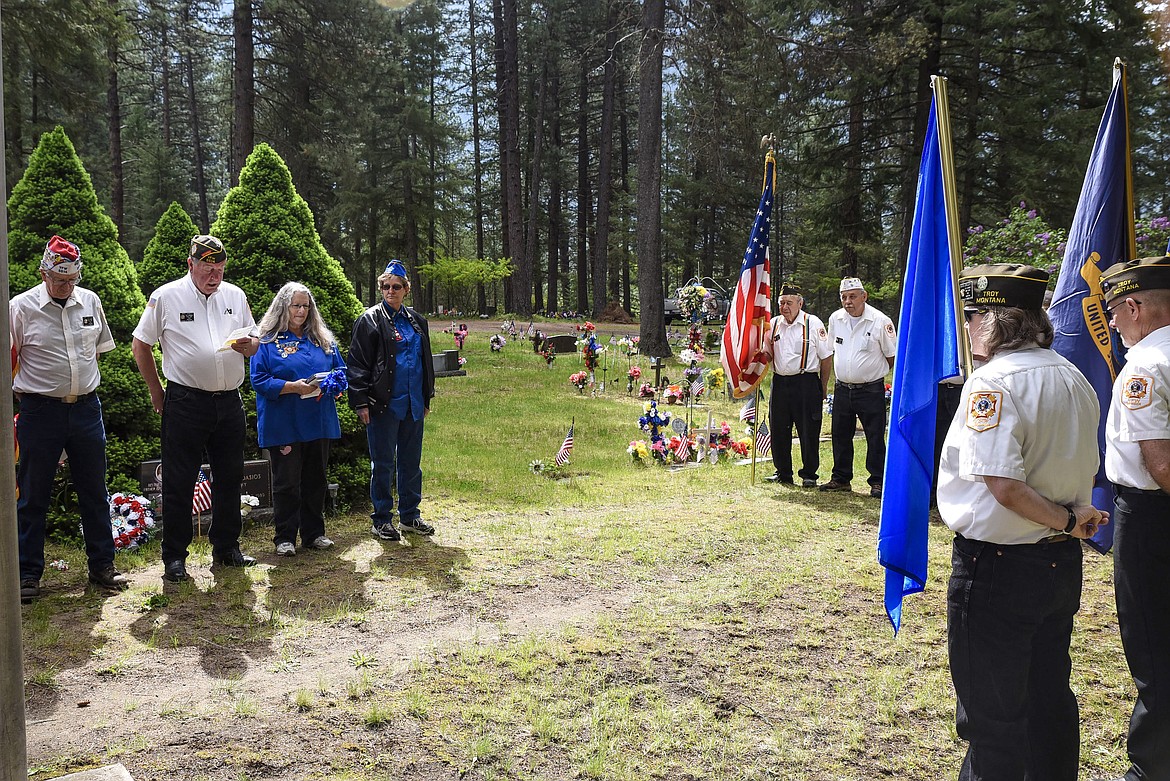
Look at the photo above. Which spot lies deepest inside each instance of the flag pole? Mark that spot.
(951, 202)
(1131, 231)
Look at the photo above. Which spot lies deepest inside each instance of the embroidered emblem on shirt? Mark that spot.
(397, 335)
(890, 328)
(186, 317)
(88, 320)
(1135, 394)
(839, 340)
(227, 311)
(821, 333)
(288, 348)
(983, 410)
(151, 303)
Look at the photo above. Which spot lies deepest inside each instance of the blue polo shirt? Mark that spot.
(406, 396)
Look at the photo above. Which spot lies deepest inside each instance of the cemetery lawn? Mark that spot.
(623, 622)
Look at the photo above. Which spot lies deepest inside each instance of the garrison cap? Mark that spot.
(207, 249)
(1003, 284)
(790, 288)
(61, 257)
(396, 268)
(851, 283)
(1134, 276)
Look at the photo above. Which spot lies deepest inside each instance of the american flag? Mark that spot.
(683, 451)
(747, 413)
(566, 448)
(698, 386)
(763, 439)
(751, 306)
(201, 501)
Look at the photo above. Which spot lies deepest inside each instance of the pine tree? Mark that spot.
(270, 238)
(56, 196)
(165, 256)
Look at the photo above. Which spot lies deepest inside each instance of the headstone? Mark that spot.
(257, 482)
(562, 344)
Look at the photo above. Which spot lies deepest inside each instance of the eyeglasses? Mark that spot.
(1112, 310)
(53, 279)
(393, 286)
(300, 306)
(970, 313)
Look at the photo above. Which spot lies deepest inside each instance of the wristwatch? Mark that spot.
(1072, 521)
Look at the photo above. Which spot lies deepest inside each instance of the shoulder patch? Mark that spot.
(152, 302)
(821, 334)
(1137, 391)
(983, 410)
(890, 329)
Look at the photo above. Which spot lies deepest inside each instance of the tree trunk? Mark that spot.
(533, 243)
(652, 327)
(605, 165)
(584, 196)
(243, 87)
(196, 129)
(554, 193)
(114, 108)
(510, 152)
(477, 164)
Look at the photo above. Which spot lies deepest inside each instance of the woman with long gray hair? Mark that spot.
(297, 374)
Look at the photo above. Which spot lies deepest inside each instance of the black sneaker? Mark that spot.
(835, 485)
(232, 557)
(808, 483)
(417, 526)
(29, 590)
(386, 532)
(109, 578)
(775, 478)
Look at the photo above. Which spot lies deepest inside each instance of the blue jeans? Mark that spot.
(395, 461)
(45, 428)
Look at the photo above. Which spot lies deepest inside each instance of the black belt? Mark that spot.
(1055, 538)
(201, 392)
(1125, 489)
(63, 399)
(856, 385)
(798, 374)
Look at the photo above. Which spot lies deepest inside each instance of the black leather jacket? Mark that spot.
(373, 357)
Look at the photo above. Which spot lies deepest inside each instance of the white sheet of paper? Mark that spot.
(239, 333)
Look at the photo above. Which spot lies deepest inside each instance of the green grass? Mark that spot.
(624, 622)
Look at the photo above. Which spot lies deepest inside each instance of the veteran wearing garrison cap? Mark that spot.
(58, 331)
(1015, 485)
(1137, 461)
(798, 346)
(863, 343)
(391, 384)
(206, 331)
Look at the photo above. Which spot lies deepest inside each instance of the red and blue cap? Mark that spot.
(61, 257)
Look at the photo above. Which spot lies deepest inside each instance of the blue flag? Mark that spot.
(1101, 235)
(927, 353)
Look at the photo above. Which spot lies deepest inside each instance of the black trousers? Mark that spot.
(195, 422)
(1141, 576)
(1010, 615)
(866, 403)
(796, 400)
(298, 490)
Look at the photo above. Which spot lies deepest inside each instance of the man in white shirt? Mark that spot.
(798, 346)
(1137, 461)
(58, 331)
(204, 327)
(863, 343)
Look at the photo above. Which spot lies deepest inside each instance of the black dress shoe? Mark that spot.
(232, 558)
(775, 478)
(175, 571)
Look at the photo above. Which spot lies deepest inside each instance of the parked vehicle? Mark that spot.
(715, 307)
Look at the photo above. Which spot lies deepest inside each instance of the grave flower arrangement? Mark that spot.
(674, 394)
(695, 339)
(638, 451)
(652, 422)
(549, 355)
(579, 379)
(690, 302)
(632, 376)
(497, 342)
(716, 379)
(131, 520)
(646, 391)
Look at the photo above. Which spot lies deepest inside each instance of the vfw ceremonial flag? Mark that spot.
(927, 353)
(566, 448)
(201, 501)
(1101, 234)
(751, 306)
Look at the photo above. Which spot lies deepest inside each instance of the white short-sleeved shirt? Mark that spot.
(861, 345)
(58, 346)
(1028, 415)
(191, 327)
(799, 346)
(1139, 410)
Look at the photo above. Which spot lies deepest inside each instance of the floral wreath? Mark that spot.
(131, 520)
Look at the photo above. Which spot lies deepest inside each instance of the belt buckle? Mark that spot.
(69, 399)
